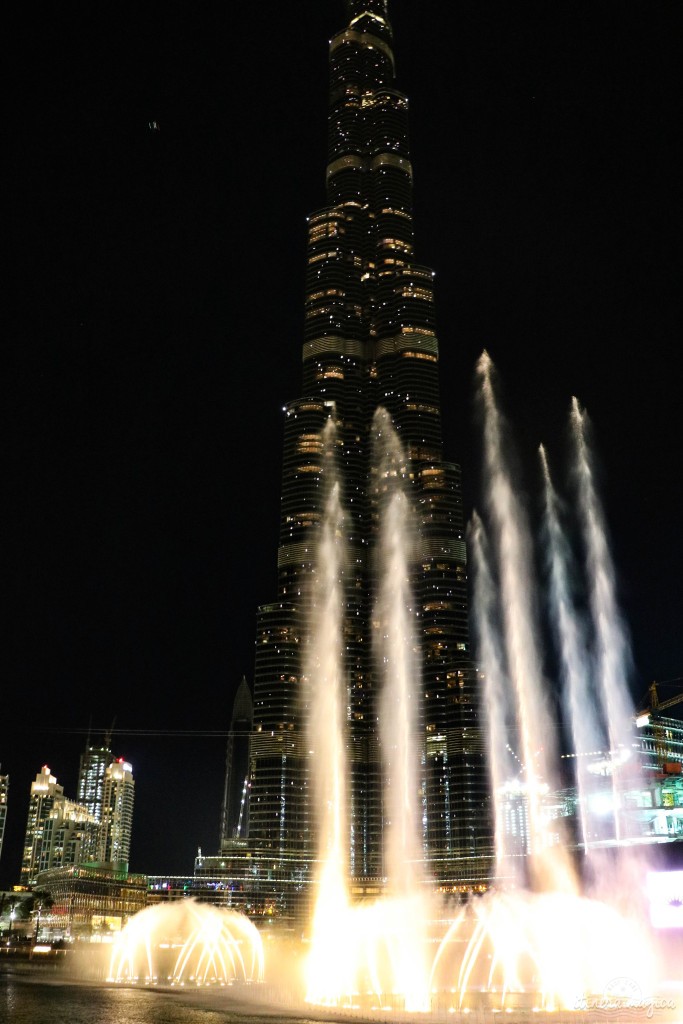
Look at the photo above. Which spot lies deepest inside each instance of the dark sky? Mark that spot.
(154, 328)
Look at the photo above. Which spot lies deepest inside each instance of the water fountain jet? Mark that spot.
(548, 945)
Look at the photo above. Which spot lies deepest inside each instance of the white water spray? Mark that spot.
(612, 651)
(511, 537)
(397, 660)
(511, 949)
(498, 710)
(326, 730)
(570, 633)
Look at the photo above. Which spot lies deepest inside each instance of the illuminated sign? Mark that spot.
(665, 896)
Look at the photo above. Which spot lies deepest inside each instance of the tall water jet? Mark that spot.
(328, 979)
(396, 657)
(498, 709)
(613, 661)
(535, 724)
(374, 950)
(572, 643)
(399, 717)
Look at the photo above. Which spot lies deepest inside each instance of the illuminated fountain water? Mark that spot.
(375, 949)
(547, 935)
(539, 935)
(187, 943)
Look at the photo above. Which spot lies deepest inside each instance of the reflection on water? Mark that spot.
(32, 995)
(38, 996)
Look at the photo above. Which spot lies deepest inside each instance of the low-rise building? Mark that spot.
(91, 901)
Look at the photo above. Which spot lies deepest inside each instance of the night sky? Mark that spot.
(160, 172)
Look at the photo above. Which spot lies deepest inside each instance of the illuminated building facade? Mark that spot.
(651, 796)
(370, 340)
(94, 763)
(91, 901)
(4, 788)
(62, 832)
(59, 831)
(118, 802)
(107, 789)
(661, 754)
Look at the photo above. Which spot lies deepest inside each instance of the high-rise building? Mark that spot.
(59, 832)
(62, 833)
(107, 789)
(4, 789)
(234, 813)
(94, 763)
(118, 801)
(369, 341)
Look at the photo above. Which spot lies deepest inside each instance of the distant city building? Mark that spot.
(118, 802)
(94, 763)
(234, 815)
(661, 743)
(107, 788)
(652, 795)
(4, 789)
(232, 881)
(90, 901)
(59, 831)
(239, 880)
(661, 751)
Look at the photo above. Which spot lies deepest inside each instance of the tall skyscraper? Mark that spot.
(94, 763)
(369, 341)
(107, 789)
(4, 789)
(118, 802)
(234, 813)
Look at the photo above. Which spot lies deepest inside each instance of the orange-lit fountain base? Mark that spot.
(511, 952)
(187, 943)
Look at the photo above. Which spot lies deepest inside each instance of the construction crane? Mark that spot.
(654, 712)
(659, 705)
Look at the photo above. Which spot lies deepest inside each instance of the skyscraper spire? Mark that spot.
(371, 16)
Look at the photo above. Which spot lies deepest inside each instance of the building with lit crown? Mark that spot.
(118, 803)
(59, 831)
(369, 340)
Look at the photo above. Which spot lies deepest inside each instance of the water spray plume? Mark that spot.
(498, 712)
(572, 646)
(511, 539)
(543, 947)
(187, 943)
(612, 657)
(326, 738)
